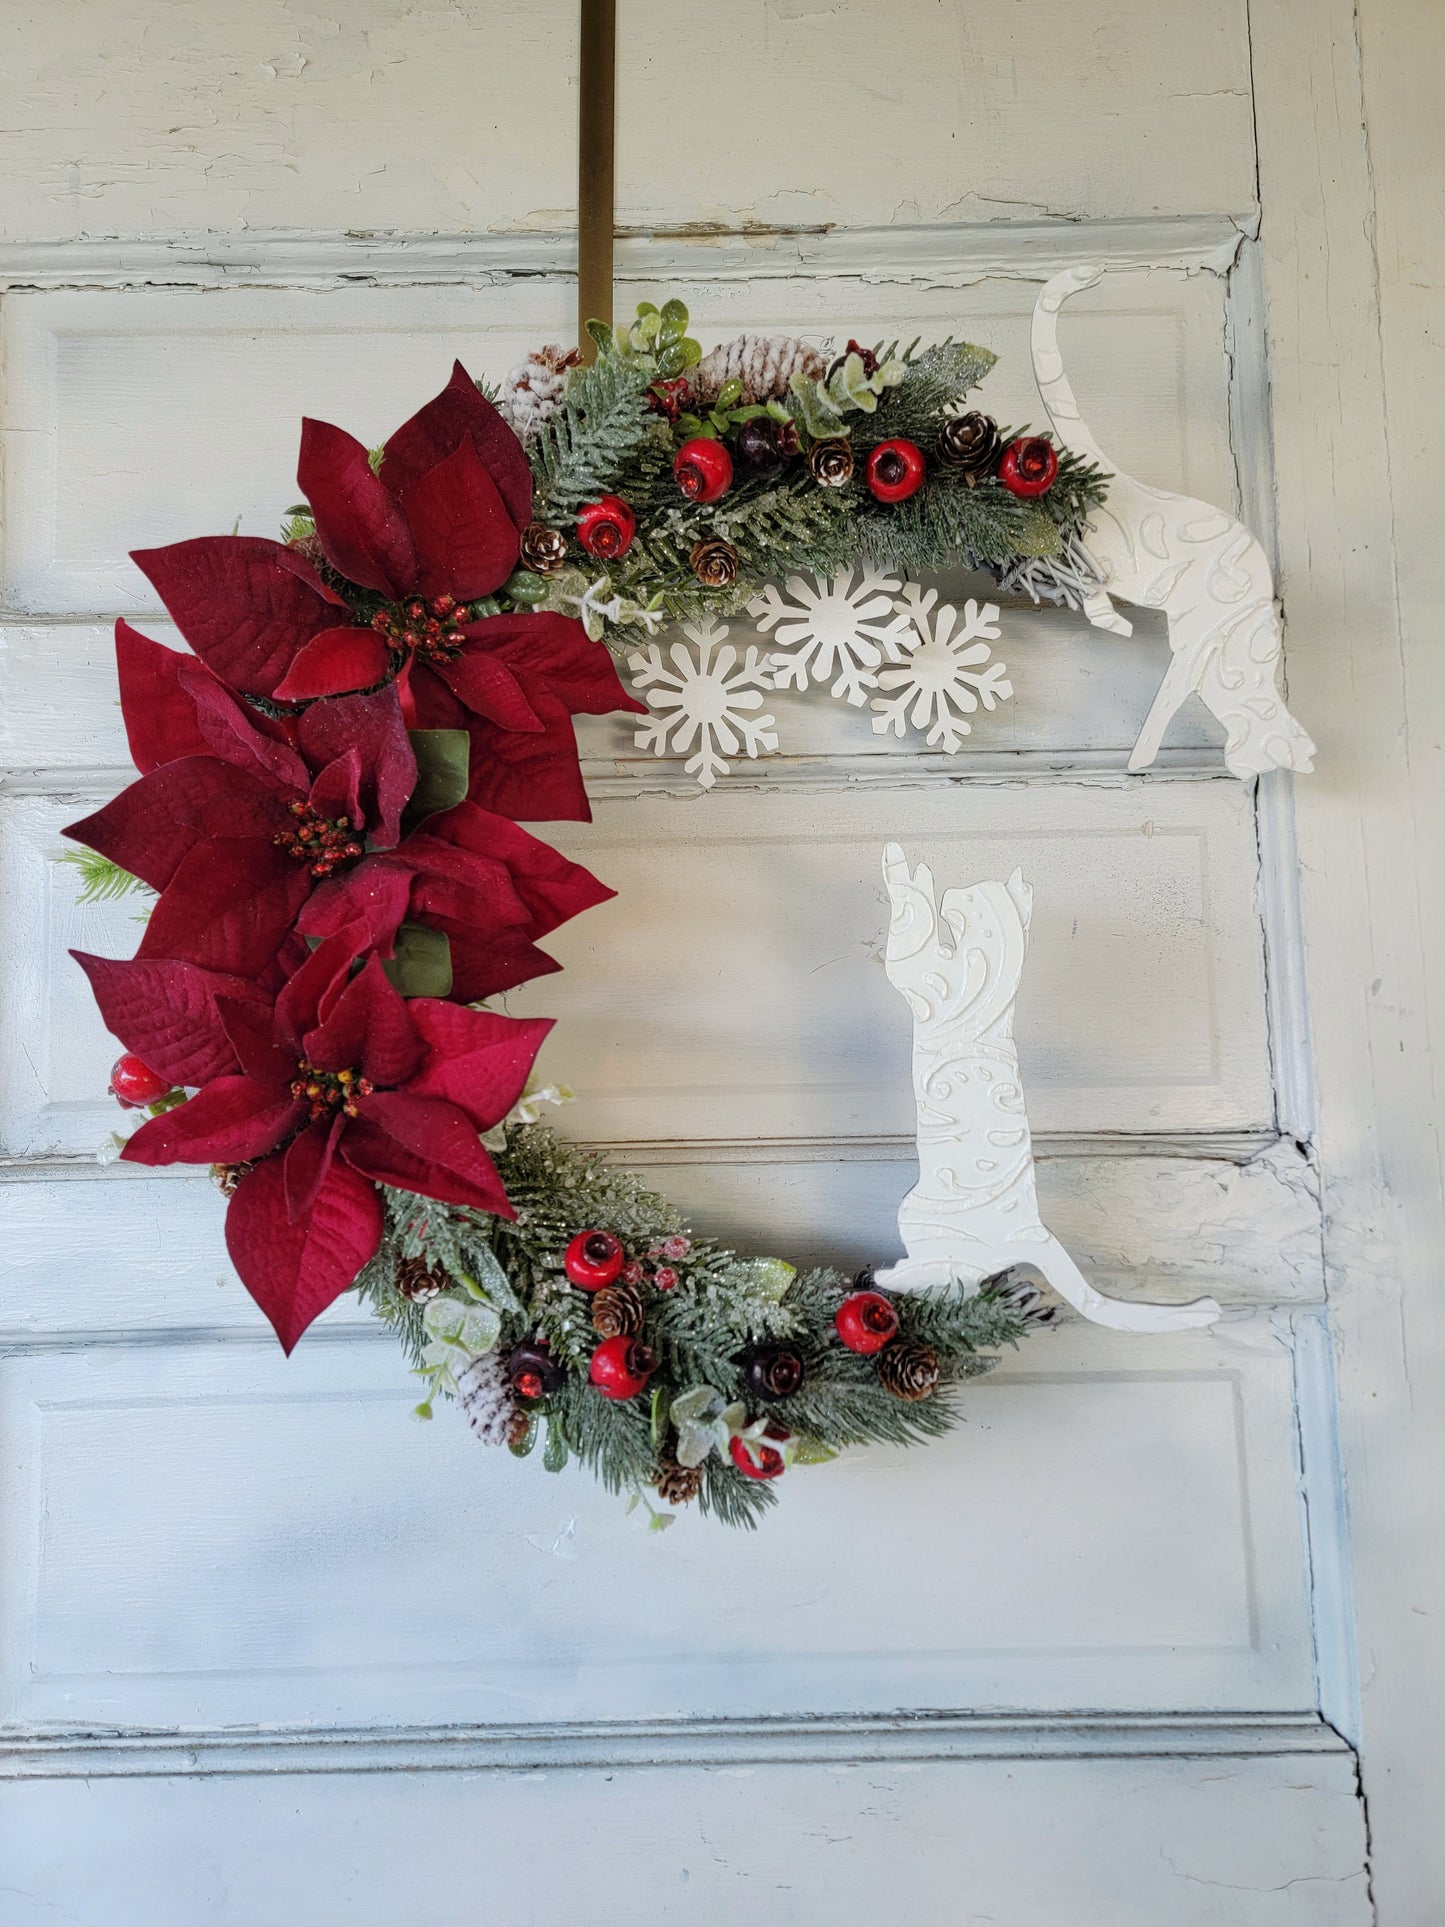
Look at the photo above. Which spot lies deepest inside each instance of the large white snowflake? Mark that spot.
(704, 698)
(833, 623)
(944, 679)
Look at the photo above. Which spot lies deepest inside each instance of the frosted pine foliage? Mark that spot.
(702, 694)
(947, 675)
(840, 627)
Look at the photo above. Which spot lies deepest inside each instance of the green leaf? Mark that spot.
(554, 1452)
(660, 1521)
(441, 771)
(422, 966)
(674, 317)
(673, 359)
(602, 335)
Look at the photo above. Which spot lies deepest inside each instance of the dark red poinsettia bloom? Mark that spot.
(237, 829)
(435, 528)
(335, 1087)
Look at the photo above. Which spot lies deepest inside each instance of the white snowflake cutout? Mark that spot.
(833, 621)
(704, 698)
(944, 679)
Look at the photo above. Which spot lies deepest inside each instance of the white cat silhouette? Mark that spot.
(974, 1211)
(1202, 568)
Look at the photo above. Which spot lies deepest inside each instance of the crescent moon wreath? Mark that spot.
(333, 783)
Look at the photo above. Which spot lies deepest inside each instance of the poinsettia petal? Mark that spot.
(228, 906)
(294, 1271)
(558, 651)
(251, 1027)
(552, 887)
(466, 542)
(487, 962)
(230, 1121)
(358, 524)
(476, 1059)
(337, 790)
(484, 684)
(307, 1162)
(461, 412)
(312, 989)
(252, 742)
(372, 898)
(429, 1128)
(532, 779)
(370, 1149)
(368, 1029)
(159, 713)
(166, 1013)
(241, 602)
(373, 725)
(333, 663)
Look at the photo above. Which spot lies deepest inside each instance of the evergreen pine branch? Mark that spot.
(101, 881)
(593, 444)
(938, 377)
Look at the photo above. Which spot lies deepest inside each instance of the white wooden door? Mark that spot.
(270, 1652)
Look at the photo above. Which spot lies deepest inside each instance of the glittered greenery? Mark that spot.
(612, 434)
(704, 1307)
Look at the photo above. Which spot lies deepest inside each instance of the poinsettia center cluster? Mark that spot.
(326, 1091)
(426, 629)
(326, 843)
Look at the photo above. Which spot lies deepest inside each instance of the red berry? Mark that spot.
(665, 1278)
(621, 1367)
(593, 1259)
(1029, 466)
(865, 1322)
(135, 1084)
(759, 1461)
(895, 470)
(703, 469)
(606, 527)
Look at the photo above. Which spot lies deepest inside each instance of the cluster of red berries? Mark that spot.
(426, 629)
(322, 841)
(330, 1090)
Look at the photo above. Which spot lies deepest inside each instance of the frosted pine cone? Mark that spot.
(485, 1394)
(764, 364)
(535, 387)
(1025, 1301)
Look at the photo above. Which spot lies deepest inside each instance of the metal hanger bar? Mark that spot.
(596, 133)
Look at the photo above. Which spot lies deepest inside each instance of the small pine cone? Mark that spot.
(969, 447)
(909, 1370)
(714, 562)
(226, 1177)
(617, 1311)
(544, 550)
(677, 1484)
(519, 1426)
(830, 463)
(535, 387)
(764, 364)
(485, 1395)
(417, 1280)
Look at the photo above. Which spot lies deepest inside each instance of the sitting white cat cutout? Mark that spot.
(974, 1211)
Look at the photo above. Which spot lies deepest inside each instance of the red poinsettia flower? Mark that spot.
(335, 1087)
(436, 527)
(237, 829)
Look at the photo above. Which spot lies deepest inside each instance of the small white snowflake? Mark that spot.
(943, 680)
(833, 622)
(703, 698)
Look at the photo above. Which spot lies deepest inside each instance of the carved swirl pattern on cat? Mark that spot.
(1202, 568)
(974, 1211)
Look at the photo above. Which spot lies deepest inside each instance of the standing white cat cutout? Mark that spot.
(1201, 567)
